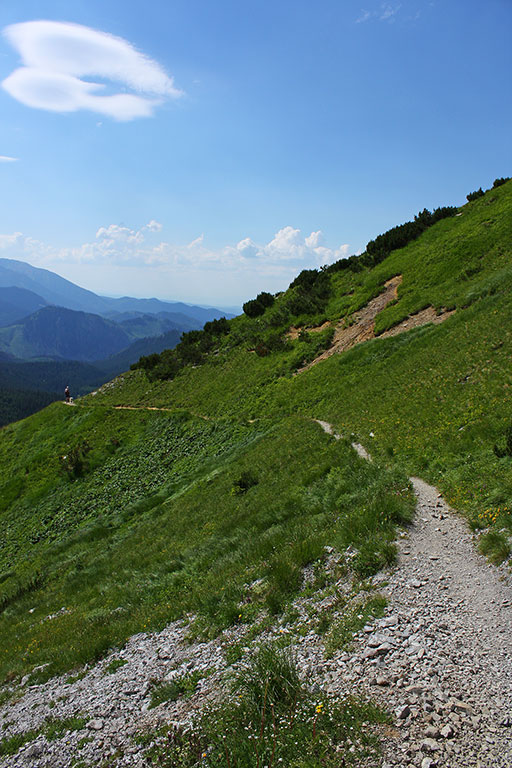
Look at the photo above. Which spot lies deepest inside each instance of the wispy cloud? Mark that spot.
(385, 12)
(388, 11)
(6, 159)
(57, 56)
(365, 16)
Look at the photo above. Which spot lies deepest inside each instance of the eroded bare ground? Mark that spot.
(428, 315)
(294, 332)
(362, 327)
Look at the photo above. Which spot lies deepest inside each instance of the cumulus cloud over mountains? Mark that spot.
(59, 60)
(289, 248)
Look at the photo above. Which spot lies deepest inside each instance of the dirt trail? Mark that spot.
(138, 408)
(445, 660)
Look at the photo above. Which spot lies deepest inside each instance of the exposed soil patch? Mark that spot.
(362, 327)
(294, 333)
(428, 315)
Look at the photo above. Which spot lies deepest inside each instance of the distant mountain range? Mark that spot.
(117, 363)
(47, 320)
(62, 334)
(54, 289)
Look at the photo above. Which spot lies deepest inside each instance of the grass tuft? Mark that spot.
(496, 546)
(270, 718)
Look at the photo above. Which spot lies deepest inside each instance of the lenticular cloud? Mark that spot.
(57, 56)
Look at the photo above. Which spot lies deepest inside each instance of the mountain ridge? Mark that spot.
(17, 303)
(60, 333)
(61, 292)
(26, 334)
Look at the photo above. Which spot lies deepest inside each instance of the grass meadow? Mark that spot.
(436, 400)
(192, 543)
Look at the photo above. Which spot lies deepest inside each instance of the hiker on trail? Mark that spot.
(67, 394)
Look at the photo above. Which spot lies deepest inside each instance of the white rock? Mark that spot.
(95, 725)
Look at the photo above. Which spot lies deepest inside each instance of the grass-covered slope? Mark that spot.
(436, 399)
(163, 514)
(117, 521)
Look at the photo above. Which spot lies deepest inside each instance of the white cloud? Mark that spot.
(154, 226)
(314, 239)
(389, 11)
(195, 243)
(117, 234)
(160, 263)
(289, 249)
(247, 248)
(6, 159)
(7, 241)
(58, 55)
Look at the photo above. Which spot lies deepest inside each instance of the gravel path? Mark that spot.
(448, 673)
(444, 663)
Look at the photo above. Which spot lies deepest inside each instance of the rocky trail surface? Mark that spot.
(440, 661)
(442, 658)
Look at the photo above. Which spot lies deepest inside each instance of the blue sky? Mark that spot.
(205, 151)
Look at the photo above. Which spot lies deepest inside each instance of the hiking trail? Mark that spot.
(442, 658)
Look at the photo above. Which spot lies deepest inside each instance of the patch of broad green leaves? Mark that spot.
(198, 549)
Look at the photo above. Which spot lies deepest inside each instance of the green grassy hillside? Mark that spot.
(151, 515)
(436, 399)
(117, 521)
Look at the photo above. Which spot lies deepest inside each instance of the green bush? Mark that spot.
(246, 480)
(265, 298)
(218, 327)
(256, 307)
(73, 463)
(475, 195)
